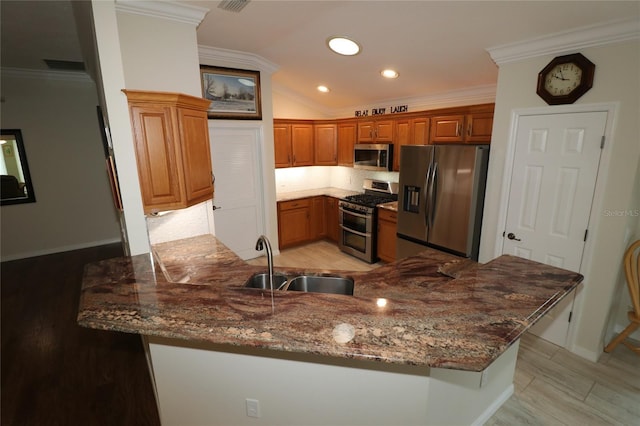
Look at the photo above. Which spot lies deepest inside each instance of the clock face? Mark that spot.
(563, 79)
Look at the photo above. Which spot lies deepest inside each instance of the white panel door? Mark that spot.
(552, 185)
(238, 201)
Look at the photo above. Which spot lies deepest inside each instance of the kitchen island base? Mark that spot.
(209, 384)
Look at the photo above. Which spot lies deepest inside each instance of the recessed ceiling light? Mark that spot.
(343, 46)
(389, 73)
(323, 89)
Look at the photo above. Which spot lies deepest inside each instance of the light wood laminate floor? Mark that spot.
(552, 385)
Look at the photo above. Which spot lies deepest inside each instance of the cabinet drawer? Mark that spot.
(294, 204)
(389, 215)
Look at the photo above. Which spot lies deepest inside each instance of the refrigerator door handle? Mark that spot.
(427, 196)
(433, 189)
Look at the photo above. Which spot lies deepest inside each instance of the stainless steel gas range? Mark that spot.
(358, 218)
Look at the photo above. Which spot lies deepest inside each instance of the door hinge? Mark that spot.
(602, 142)
(586, 231)
(570, 315)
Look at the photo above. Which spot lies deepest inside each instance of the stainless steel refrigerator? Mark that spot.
(441, 198)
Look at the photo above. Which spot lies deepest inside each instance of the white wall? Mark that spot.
(616, 80)
(206, 384)
(74, 207)
(287, 105)
(159, 54)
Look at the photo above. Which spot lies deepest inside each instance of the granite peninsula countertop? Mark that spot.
(404, 312)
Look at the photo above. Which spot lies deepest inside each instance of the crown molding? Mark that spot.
(180, 12)
(214, 55)
(76, 76)
(567, 41)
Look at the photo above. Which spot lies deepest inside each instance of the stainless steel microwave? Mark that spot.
(377, 156)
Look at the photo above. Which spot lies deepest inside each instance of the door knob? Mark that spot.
(512, 236)
(216, 208)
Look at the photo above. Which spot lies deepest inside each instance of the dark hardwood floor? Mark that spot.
(55, 372)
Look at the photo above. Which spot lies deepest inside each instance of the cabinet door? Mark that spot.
(384, 131)
(326, 145)
(387, 224)
(302, 144)
(479, 126)
(365, 132)
(282, 144)
(420, 131)
(196, 155)
(346, 140)
(294, 227)
(294, 224)
(403, 137)
(156, 154)
(449, 128)
(318, 221)
(331, 212)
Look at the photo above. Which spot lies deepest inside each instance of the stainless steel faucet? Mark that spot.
(260, 245)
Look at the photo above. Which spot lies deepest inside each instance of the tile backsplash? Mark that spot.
(302, 178)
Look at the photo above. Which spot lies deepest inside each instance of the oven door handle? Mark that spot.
(354, 232)
(364, 216)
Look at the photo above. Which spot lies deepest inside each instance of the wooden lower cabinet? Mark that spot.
(387, 224)
(294, 222)
(309, 219)
(332, 219)
(318, 222)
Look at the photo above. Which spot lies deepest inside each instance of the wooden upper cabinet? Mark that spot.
(282, 144)
(479, 127)
(420, 131)
(302, 144)
(449, 128)
(347, 133)
(326, 144)
(173, 155)
(474, 128)
(409, 131)
(375, 131)
(403, 137)
(293, 143)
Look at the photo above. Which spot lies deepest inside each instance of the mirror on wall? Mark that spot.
(17, 187)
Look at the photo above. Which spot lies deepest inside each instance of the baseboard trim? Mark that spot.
(61, 249)
(586, 353)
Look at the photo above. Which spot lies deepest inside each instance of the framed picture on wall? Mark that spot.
(234, 93)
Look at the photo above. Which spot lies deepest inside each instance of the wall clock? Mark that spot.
(565, 79)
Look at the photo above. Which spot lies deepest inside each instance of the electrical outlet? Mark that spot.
(253, 407)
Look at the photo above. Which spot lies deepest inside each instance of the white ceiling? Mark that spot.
(436, 46)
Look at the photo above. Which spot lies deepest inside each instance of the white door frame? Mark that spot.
(598, 196)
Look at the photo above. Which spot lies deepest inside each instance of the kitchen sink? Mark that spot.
(322, 284)
(262, 281)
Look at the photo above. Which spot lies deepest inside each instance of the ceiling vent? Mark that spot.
(57, 65)
(233, 5)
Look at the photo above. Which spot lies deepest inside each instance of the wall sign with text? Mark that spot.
(381, 111)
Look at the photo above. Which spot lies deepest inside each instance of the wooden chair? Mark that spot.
(631, 269)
